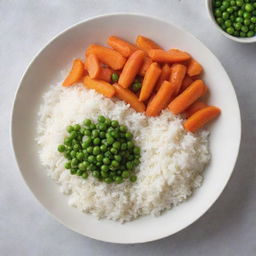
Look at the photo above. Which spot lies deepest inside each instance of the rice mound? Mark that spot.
(172, 160)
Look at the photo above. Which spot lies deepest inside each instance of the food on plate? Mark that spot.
(127, 138)
(237, 18)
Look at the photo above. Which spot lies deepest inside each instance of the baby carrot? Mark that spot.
(149, 81)
(108, 56)
(123, 47)
(99, 86)
(187, 81)
(75, 74)
(187, 98)
(161, 99)
(194, 68)
(198, 105)
(177, 75)
(168, 56)
(129, 97)
(105, 74)
(93, 66)
(146, 44)
(201, 118)
(147, 62)
(165, 75)
(131, 68)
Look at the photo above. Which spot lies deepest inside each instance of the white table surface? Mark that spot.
(228, 228)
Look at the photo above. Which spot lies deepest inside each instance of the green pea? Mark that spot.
(114, 163)
(232, 2)
(136, 150)
(244, 29)
(133, 178)
(136, 162)
(67, 156)
(80, 155)
(104, 168)
(116, 145)
(239, 19)
(92, 126)
(225, 15)
(253, 19)
(110, 140)
(76, 147)
(237, 26)
(250, 33)
(103, 148)
(123, 146)
(67, 141)
(102, 135)
(222, 8)
(73, 171)
(230, 9)
(101, 119)
(82, 166)
(87, 122)
(104, 174)
(89, 149)
(125, 174)
(239, 3)
(99, 157)
(108, 154)
(70, 128)
(232, 18)
(102, 127)
(130, 145)
(119, 172)
(249, 7)
(240, 13)
(118, 158)
(236, 33)
(91, 159)
(228, 23)
(98, 164)
(87, 132)
(96, 150)
(115, 77)
(123, 128)
(106, 160)
(77, 127)
(247, 22)
(114, 123)
(113, 151)
(108, 122)
(230, 30)
(74, 162)
(73, 153)
(118, 179)
(85, 175)
(129, 165)
(136, 87)
(242, 34)
(114, 134)
(96, 174)
(108, 180)
(95, 133)
(246, 15)
(128, 135)
(96, 141)
(61, 148)
(67, 165)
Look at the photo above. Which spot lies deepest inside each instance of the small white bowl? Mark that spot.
(237, 39)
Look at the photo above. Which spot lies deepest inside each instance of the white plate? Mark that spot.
(224, 140)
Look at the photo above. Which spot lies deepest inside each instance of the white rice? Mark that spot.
(172, 160)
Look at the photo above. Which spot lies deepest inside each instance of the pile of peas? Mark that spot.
(135, 87)
(105, 150)
(236, 17)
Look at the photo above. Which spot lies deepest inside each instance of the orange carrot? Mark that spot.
(147, 62)
(201, 118)
(93, 66)
(108, 56)
(177, 75)
(105, 74)
(99, 86)
(161, 99)
(165, 75)
(129, 97)
(168, 56)
(194, 68)
(149, 81)
(146, 44)
(187, 98)
(187, 81)
(123, 47)
(198, 105)
(131, 69)
(75, 74)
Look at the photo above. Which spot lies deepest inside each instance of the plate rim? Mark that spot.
(131, 14)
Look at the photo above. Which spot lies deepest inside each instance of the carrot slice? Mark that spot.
(106, 55)
(198, 105)
(125, 48)
(129, 97)
(149, 81)
(131, 69)
(75, 74)
(177, 75)
(187, 98)
(93, 65)
(201, 118)
(146, 44)
(194, 68)
(168, 56)
(105, 74)
(187, 81)
(165, 75)
(147, 62)
(99, 86)
(161, 99)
